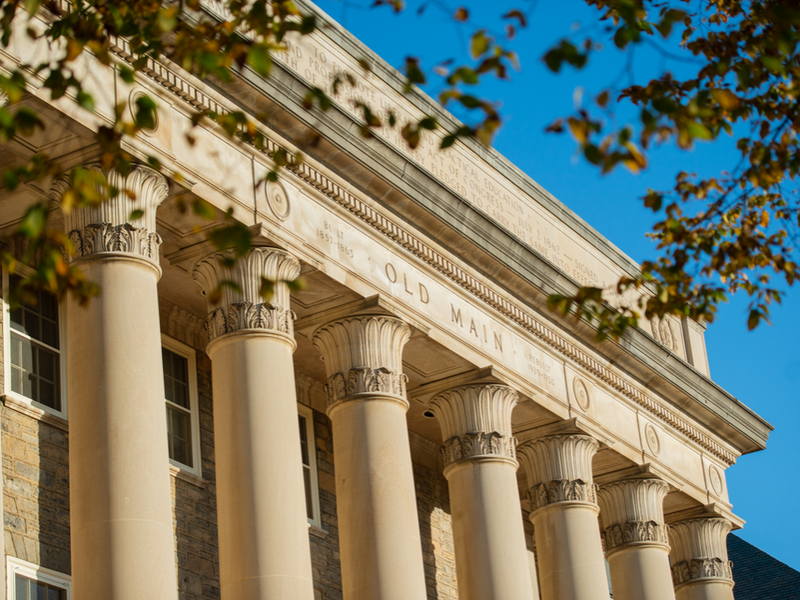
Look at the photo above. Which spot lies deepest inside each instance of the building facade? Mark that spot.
(413, 424)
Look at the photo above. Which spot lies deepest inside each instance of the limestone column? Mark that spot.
(120, 503)
(636, 541)
(263, 529)
(379, 535)
(564, 515)
(700, 566)
(480, 467)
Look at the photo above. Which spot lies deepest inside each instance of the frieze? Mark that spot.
(479, 444)
(635, 531)
(562, 490)
(701, 568)
(366, 380)
(182, 88)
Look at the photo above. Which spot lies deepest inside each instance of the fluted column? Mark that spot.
(379, 536)
(699, 555)
(480, 467)
(564, 515)
(120, 504)
(263, 530)
(636, 541)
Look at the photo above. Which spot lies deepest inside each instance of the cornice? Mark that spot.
(402, 236)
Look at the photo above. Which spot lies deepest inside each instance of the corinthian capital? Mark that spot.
(699, 550)
(559, 469)
(476, 422)
(364, 356)
(632, 512)
(246, 309)
(107, 227)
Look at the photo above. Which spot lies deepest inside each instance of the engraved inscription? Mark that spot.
(335, 237)
(475, 328)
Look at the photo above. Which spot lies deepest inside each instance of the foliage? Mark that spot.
(715, 235)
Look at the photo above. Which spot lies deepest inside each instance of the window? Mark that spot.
(308, 450)
(27, 581)
(180, 390)
(34, 365)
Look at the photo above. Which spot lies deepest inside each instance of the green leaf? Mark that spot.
(480, 43)
(136, 214)
(259, 58)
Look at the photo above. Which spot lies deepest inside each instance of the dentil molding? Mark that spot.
(245, 308)
(107, 227)
(476, 421)
(699, 550)
(364, 355)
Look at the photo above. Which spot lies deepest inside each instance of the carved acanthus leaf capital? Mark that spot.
(561, 490)
(476, 421)
(244, 308)
(364, 355)
(107, 227)
(699, 549)
(631, 511)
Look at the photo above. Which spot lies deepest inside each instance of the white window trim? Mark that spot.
(191, 356)
(62, 353)
(306, 412)
(16, 566)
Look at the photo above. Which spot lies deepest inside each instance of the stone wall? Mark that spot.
(35, 489)
(433, 504)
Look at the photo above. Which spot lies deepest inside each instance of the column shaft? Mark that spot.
(263, 529)
(491, 556)
(379, 534)
(564, 516)
(120, 502)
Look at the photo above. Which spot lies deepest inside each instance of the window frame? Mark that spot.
(62, 354)
(308, 414)
(190, 355)
(16, 566)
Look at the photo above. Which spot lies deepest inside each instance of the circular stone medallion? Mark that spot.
(651, 436)
(278, 200)
(134, 109)
(581, 393)
(715, 479)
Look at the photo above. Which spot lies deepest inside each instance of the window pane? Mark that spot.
(32, 327)
(21, 587)
(179, 436)
(176, 377)
(50, 333)
(41, 591)
(48, 306)
(16, 319)
(309, 501)
(166, 358)
(304, 440)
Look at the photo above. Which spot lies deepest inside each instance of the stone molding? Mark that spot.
(699, 550)
(559, 469)
(191, 94)
(364, 356)
(245, 309)
(187, 328)
(476, 421)
(3, 99)
(107, 227)
(632, 511)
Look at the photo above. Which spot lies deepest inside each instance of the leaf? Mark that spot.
(136, 214)
(461, 15)
(479, 44)
(259, 58)
(726, 99)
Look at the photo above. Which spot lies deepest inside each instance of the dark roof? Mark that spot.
(758, 575)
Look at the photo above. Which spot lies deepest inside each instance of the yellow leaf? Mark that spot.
(726, 99)
(579, 129)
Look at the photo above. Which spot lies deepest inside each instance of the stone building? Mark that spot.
(414, 424)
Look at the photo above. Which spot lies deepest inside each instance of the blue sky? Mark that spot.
(761, 368)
